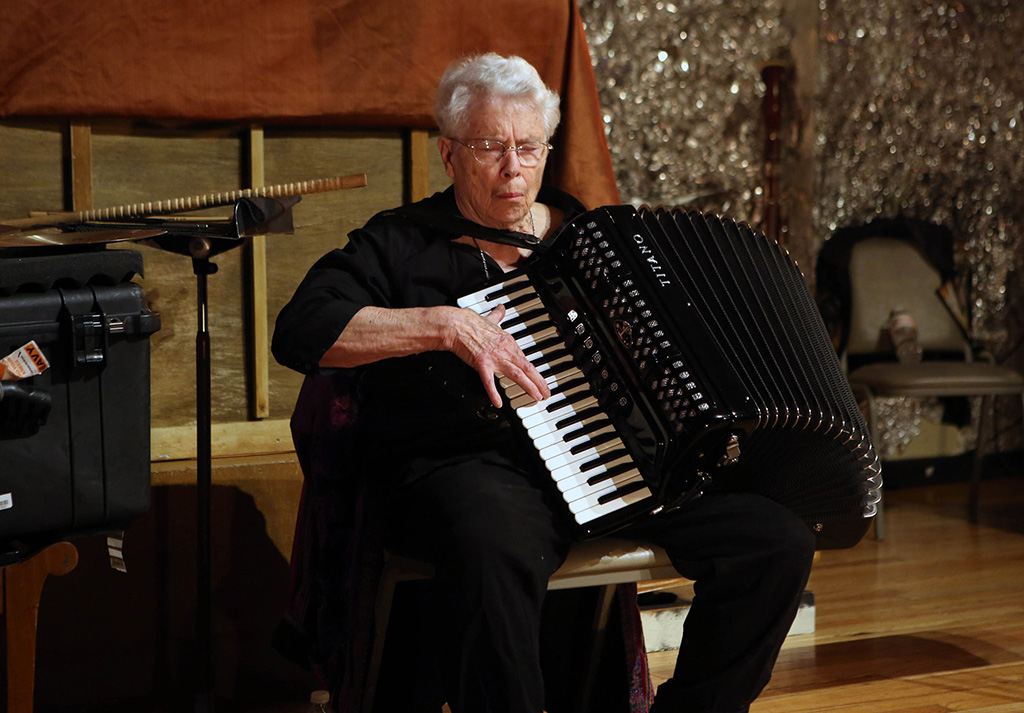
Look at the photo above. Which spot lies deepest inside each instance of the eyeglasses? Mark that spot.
(490, 152)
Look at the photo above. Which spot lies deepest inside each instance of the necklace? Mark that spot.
(483, 258)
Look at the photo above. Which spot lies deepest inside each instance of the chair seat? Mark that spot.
(938, 378)
(590, 563)
(611, 561)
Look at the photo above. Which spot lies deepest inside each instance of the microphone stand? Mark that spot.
(200, 242)
(202, 267)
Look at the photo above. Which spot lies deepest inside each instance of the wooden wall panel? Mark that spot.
(132, 164)
(31, 176)
(322, 220)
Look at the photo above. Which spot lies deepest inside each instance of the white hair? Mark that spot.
(491, 75)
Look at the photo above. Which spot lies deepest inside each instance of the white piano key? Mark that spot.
(580, 480)
(556, 446)
(524, 400)
(557, 366)
(572, 432)
(591, 514)
(537, 322)
(544, 421)
(554, 368)
(557, 460)
(531, 411)
(553, 379)
(510, 289)
(529, 327)
(489, 298)
(513, 312)
(528, 340)
(573, 470)
(590, 493)
(569, 385)
(590, 500)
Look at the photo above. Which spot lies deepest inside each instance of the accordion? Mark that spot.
(683, 352)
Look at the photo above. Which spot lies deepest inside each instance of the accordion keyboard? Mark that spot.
(585, 457)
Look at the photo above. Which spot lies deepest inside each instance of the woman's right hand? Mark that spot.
(376, 333)
(491, 351)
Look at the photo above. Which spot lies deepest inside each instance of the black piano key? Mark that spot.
(611, 472)
(595, 441)
(520, 300)
(606, 457)
(566, 386)
(569, 398)
(522, 317)
(621, 492)
(552, 348)
(506, 288)
(549, 357)
(577, 417)
(584, 428)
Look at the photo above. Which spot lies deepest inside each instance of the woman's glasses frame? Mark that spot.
(490, 152)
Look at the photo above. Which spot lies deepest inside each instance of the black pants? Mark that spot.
(496, 536)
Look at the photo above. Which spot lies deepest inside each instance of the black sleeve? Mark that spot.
(335, 288)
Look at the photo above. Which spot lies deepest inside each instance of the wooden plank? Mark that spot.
(80, 141)
(660, 585)
(227, 439)
(988, 689)
(418, 179)
(323, 221)
(256, 266)
(33, 154)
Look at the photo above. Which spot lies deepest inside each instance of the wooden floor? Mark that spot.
(929, 620)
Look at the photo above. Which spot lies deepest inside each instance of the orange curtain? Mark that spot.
(316, 62)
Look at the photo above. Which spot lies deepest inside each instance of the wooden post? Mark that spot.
(418, 165)
(80, 160)
(256, 268)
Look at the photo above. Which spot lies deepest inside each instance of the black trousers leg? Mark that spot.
(494, 540)
(750, 559)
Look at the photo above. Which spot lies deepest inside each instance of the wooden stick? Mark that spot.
(208, 200)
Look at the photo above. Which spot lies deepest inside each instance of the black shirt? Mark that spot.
(429, 404)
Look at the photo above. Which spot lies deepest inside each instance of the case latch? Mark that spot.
(90, 334)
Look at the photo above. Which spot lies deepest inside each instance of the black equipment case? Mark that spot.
(74, 440)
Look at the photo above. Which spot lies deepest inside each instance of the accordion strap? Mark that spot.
(457, 225)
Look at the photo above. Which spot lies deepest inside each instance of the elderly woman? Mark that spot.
(458, 481)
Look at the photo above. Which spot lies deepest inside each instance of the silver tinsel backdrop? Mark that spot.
(917, 109)
(681, 92)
